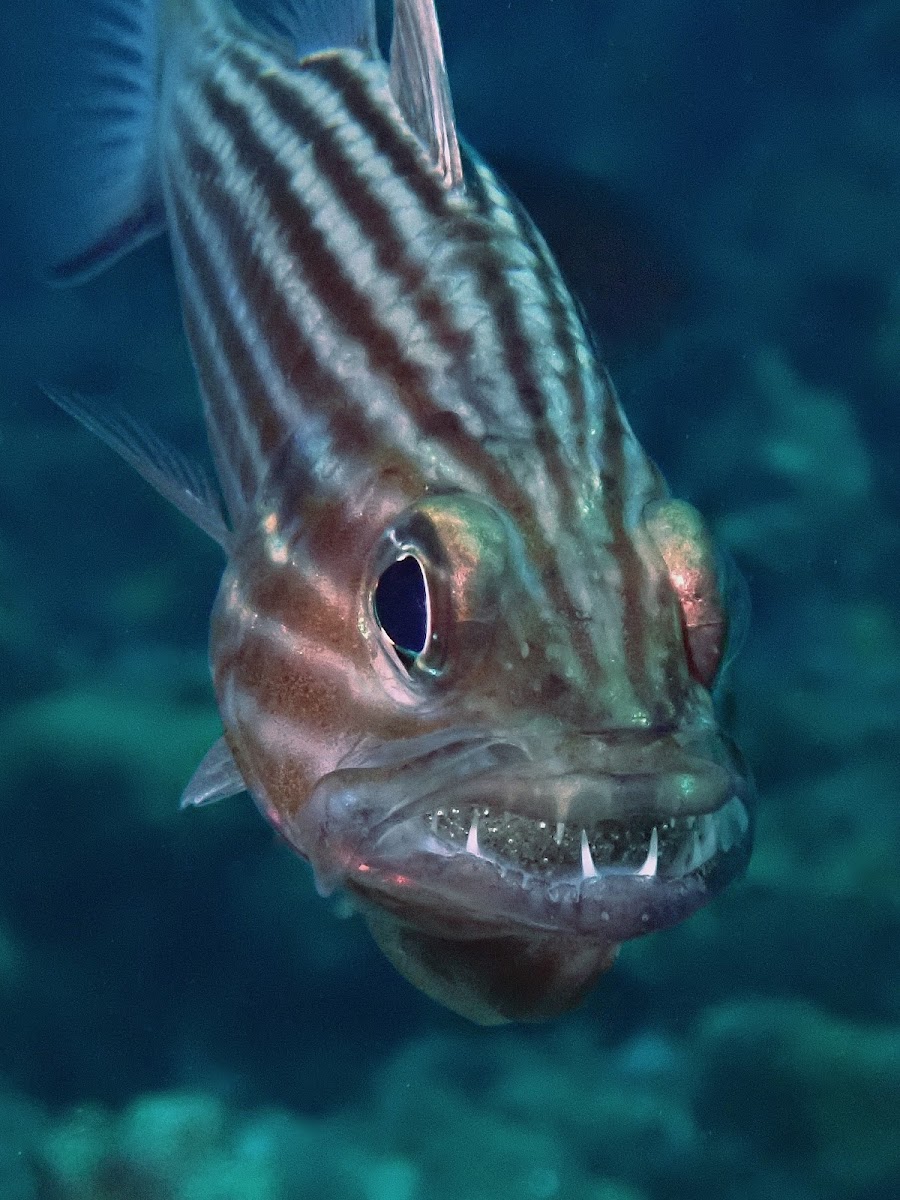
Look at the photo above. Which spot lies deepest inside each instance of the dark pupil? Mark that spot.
(401, 605)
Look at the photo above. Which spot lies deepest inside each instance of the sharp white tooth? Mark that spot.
(696, 857)
(648, 870)
(705, 844)
(560, 831)
(434, 822)
(685, 856)
(472, 839)
(588, 870)
(741, 814)
(708, 841)
(725, 831)
(728, 830)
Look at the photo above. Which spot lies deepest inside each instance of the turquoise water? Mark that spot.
(181, 1017)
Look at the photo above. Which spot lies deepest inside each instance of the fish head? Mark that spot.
(511, 782)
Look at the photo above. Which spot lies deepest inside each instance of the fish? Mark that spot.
(467, 648)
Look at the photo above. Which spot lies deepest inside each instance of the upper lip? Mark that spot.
(579, 779)
(583, 797)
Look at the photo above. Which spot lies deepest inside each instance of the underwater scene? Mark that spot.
(190, 1011)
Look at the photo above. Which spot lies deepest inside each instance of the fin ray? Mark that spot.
(216, 778)
(182, 482)
(420, 86)
(313, 25)
(102, 195)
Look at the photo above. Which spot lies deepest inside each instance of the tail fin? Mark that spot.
(103, 194)
(312, 25)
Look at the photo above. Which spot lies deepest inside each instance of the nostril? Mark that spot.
(553, 686)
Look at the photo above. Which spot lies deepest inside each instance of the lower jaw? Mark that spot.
(463, 897)
(495, 941)
(493, 979)
(495, 946)
(460, 882)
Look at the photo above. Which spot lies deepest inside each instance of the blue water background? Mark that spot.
(180, 1015)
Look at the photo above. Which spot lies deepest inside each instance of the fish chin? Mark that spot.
(606, 838)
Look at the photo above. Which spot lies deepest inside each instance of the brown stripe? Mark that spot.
(297, 360)
(565, 321)
(389, 247)
(233, 465)
(567, 324)
(391, 139)
(349, 308)
(480, 251)
(519, 355)
(317, 389)
(231, 348)
(344, 303)
(613, 498)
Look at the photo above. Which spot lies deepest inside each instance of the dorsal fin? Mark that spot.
(419, 85)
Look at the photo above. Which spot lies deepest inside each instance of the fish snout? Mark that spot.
(614, 775)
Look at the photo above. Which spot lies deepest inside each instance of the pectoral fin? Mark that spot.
(216, 778)
(182, 482)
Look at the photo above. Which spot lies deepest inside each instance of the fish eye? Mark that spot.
(402, 607)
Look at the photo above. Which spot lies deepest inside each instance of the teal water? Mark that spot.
(181, 1017)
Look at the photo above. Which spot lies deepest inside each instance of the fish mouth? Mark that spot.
(610, 835)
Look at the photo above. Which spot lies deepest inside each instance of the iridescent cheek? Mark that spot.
(687, 549)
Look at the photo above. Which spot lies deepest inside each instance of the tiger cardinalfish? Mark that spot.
(466, 645)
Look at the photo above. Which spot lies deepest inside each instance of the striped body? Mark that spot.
(392, 368)
(372, 322)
